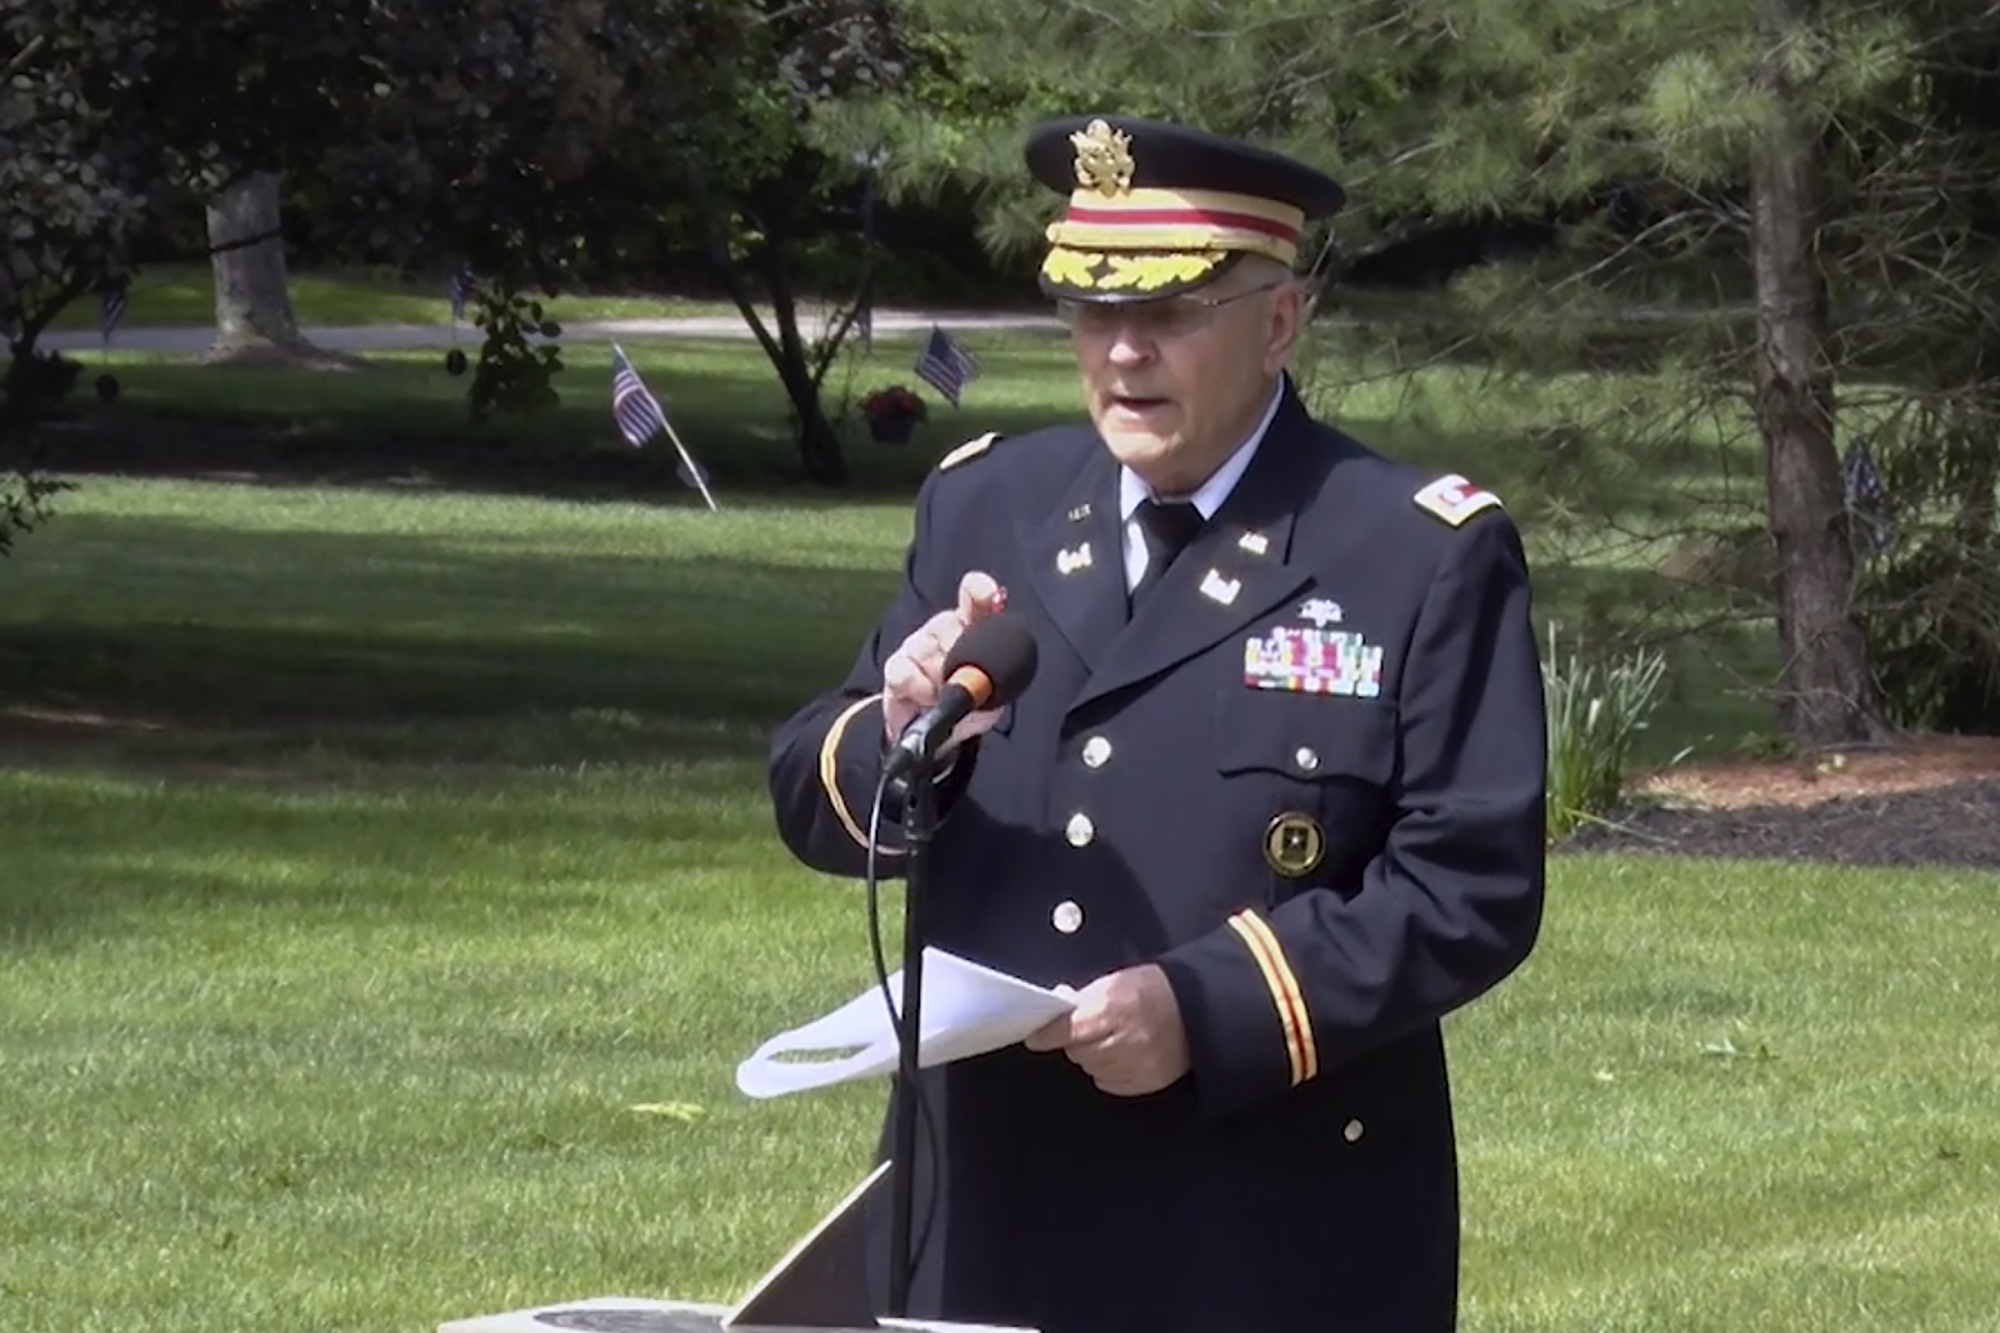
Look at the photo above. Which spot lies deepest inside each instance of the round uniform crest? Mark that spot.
(1294, 843)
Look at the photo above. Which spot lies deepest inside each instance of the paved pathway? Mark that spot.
(378, 337)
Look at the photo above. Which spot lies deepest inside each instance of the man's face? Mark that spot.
(1175, 385)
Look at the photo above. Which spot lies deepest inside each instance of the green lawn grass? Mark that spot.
(379, 854)
(1599, 512)
(183, 295)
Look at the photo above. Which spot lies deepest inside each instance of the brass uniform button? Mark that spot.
(1080, 830)
(1096, 752)
(1353, 1132)
(1067, 918)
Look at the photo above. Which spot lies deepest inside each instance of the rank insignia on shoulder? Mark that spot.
(969, 450)
(1454, 499)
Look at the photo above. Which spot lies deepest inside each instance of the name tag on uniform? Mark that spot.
(1313, 661)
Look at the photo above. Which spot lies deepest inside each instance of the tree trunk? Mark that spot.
(820, 454)
(819, 447)
(253, 302)
(1826, 697)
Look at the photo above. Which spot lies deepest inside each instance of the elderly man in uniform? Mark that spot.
(1273, 802)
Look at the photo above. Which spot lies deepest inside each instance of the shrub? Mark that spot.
(1595, 714)
(515, 375)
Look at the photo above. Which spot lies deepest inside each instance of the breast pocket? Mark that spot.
(1313, 774)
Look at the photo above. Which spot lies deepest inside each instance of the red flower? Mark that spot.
(893, 403)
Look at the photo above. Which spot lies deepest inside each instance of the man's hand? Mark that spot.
(1125, 1032)
(914, 674)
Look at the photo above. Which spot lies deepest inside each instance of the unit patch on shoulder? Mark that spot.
(1454, 499)
(969, 450)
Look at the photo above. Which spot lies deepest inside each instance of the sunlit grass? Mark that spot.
(379, 853)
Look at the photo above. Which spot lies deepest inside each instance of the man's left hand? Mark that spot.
(1125, 1032)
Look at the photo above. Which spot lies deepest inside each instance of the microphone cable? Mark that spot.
(926, 1123)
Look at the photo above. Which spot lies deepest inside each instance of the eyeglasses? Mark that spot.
(1163, 321)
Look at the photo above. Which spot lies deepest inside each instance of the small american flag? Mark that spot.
(462, 283)
(946, 366)
(1867, 498)
(639, 414)
(640, 418)
(112, 301)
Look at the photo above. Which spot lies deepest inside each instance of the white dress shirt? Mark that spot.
(1131, 490)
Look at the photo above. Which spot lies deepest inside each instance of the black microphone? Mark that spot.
(989, 667)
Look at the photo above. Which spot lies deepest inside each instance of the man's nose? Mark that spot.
(1130, 347)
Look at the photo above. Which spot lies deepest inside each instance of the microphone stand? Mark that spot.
(919, 824)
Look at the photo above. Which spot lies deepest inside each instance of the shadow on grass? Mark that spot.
(568, 456)
(405, 421)
(233, 647)
(346, 724)
(210, 644)
(369, 727)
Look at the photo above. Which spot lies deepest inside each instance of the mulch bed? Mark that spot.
(1955, 824)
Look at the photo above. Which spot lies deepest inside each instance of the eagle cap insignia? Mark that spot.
(1103, 158)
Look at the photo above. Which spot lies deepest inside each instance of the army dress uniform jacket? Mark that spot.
(1305, 776)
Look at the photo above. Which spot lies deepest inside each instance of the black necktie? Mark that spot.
(1168, 528)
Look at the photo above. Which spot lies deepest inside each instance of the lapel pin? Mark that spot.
(1071, 561)
(1080, 513)
(1217, 588)
(1256, 543)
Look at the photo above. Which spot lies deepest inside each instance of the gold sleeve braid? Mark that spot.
(1300, 1049)
(829, 774)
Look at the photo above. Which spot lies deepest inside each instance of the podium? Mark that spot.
(819, 1286)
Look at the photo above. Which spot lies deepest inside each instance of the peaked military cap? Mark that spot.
(1157, 208)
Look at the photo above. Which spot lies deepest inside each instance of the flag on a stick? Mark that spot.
(1867, 498)
(462, 283)
(111, 302)
(640, 417)
(945, 366)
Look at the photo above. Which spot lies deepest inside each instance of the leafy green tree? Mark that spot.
(76, 176)
(538, 140)
(74, 182)
(1699, 154)
(529, 139)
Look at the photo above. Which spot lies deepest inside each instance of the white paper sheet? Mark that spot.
(967, 1010)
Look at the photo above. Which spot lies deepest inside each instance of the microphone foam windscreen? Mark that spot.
(1004, 648)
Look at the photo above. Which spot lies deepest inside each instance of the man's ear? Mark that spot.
(1287, 316)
